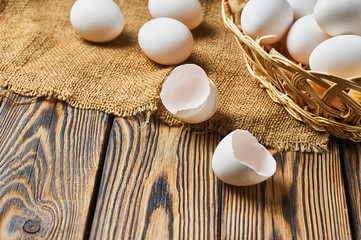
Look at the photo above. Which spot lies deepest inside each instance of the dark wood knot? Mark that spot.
(31, 226)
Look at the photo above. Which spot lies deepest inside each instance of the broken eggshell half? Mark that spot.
(189, 94)
(241, 160)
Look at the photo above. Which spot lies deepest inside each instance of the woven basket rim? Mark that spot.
(285, 99)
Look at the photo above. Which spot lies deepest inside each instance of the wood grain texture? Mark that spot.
(305, 199)
(350, 154)
(157, 183)
(49, 157)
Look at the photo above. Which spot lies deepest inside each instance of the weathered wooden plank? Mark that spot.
(157, 183)
(49, 157)
(305, 199)
(351, 162)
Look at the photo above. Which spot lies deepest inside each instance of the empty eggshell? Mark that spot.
(302, 7)
(339, 17)
(189, 94)
(303, 37)
(97, 20)
(264, 18)
(188, 12)
(241, 160)
(166, 41)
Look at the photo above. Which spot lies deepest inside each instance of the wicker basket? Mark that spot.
(319, 100)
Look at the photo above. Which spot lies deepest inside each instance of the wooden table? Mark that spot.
(78, 174)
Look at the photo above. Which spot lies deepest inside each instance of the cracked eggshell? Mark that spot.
(166, 41)
(97, 20)
(188, 12)
(241, 160)
(189, 94)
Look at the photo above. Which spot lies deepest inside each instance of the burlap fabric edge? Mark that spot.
(42, 57)
(153, 109)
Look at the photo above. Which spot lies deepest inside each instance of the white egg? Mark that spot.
(302, 7)
(303, 37)
(339, 56)
(189, 94)
(262, 18)
(339, 17)
(241, 160)
(188, 12)
(166, 41)
(97, 20)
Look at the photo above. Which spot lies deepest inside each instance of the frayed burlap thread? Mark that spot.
(41, 56)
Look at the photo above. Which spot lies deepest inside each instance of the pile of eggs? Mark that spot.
(187, 92)
(166, 39)
(324, 34)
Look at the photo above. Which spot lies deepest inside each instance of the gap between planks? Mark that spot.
(351, 165)
(153, 183)
(228, 201)
(49, 161)
(98, 177)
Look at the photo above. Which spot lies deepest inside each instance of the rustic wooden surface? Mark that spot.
(157, 183)
(305, 199)
(351, 166)
(79, 174)
(49, 157)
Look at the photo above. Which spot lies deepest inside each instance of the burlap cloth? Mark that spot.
(41, 56)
